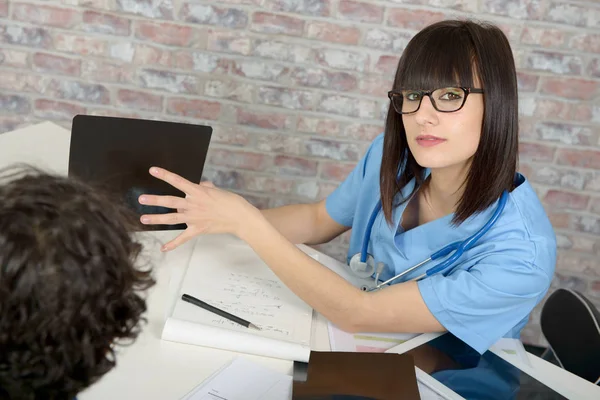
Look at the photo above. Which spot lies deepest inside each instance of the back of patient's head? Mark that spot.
(69, 285)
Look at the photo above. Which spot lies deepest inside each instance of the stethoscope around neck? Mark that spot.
(363, 264)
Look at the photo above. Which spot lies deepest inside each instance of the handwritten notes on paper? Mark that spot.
(226, 273)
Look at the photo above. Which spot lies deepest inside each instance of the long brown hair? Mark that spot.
(452, 53)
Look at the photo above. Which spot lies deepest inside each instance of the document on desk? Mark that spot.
(244, 380)
(226, 273)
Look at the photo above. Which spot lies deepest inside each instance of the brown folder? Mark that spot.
(347, 375)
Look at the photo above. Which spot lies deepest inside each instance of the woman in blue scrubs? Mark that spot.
(448, 152)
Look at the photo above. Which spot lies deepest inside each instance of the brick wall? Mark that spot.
(295, 90)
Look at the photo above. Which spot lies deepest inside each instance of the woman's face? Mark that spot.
(441, 140)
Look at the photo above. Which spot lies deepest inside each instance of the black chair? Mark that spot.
(571, 325)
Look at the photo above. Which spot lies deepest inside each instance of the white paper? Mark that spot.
(226, 273)
(244, 380)
(340, 340)
(512, 347)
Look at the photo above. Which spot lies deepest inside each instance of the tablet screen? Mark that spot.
(476, 376)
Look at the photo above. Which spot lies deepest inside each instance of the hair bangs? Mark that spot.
(435, 59)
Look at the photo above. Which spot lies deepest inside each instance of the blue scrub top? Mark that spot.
(492, 288)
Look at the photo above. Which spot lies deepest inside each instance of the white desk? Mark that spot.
(155, 369)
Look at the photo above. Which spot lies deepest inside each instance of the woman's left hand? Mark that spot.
(205, 208)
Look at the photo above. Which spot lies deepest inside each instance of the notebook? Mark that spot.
(226, 273)
(116, 154)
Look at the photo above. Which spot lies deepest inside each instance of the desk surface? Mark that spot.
(155, 369)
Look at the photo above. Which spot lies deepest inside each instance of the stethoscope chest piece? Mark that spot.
(362, 269)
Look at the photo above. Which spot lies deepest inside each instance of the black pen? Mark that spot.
(224, 314)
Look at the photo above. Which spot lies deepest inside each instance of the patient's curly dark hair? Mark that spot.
(70, 287)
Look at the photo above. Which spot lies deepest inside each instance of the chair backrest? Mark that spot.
(571, 325)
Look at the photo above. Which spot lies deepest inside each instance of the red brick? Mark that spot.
(13, 104)
(412, 19)
(320, 8)
(200, 109)
(231, 135)
(577, 262)
(586, 42)
(170, 81)
(593, 69)
(277, 24)
(56, 64)
(363, 132)
(566, 133)
(105, 23)
(287, 165)
(283, 51)
(334, 33)
(335, 171)
(211, 15)
(266, 184)
(546, 37)
(579, 158)
(547, 108)
(25, 36)
(146, 54)
(536, 152)
(527, 82)
(558, 63)
(262, 119)
(279, 143)
(238, 159)
(139, 100)
(230, 89)
(10, 123)
(79, 91)
(164, 33)
(23, 82)
(46, 15)
(285, 97)
(230, 42)
(343, 59)
(333, 150)
(373, 85)
(313, 77)
(360, 11)
(14, 58)
(326, 127)
(57, 110)
(579, 89)
(257, 69)
(388, 40)
(3, 8)
(595, 206)
(559, 219)
(104, 71)
(561, 200)
(155, 9)
(581, 112)
(348, 106)
(512, 32)
(387, 64)
(84, 45)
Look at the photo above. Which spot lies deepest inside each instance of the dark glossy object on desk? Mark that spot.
(116, 154)
(356, 376)
(477, 376)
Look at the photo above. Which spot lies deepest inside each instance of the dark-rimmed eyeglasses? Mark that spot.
(448, 99)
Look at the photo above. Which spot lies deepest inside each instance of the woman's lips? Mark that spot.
(429, 141)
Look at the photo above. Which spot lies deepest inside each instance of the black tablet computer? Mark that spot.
(115, 154)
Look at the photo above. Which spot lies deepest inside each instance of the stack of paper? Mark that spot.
(226, 273)
(243, 380)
